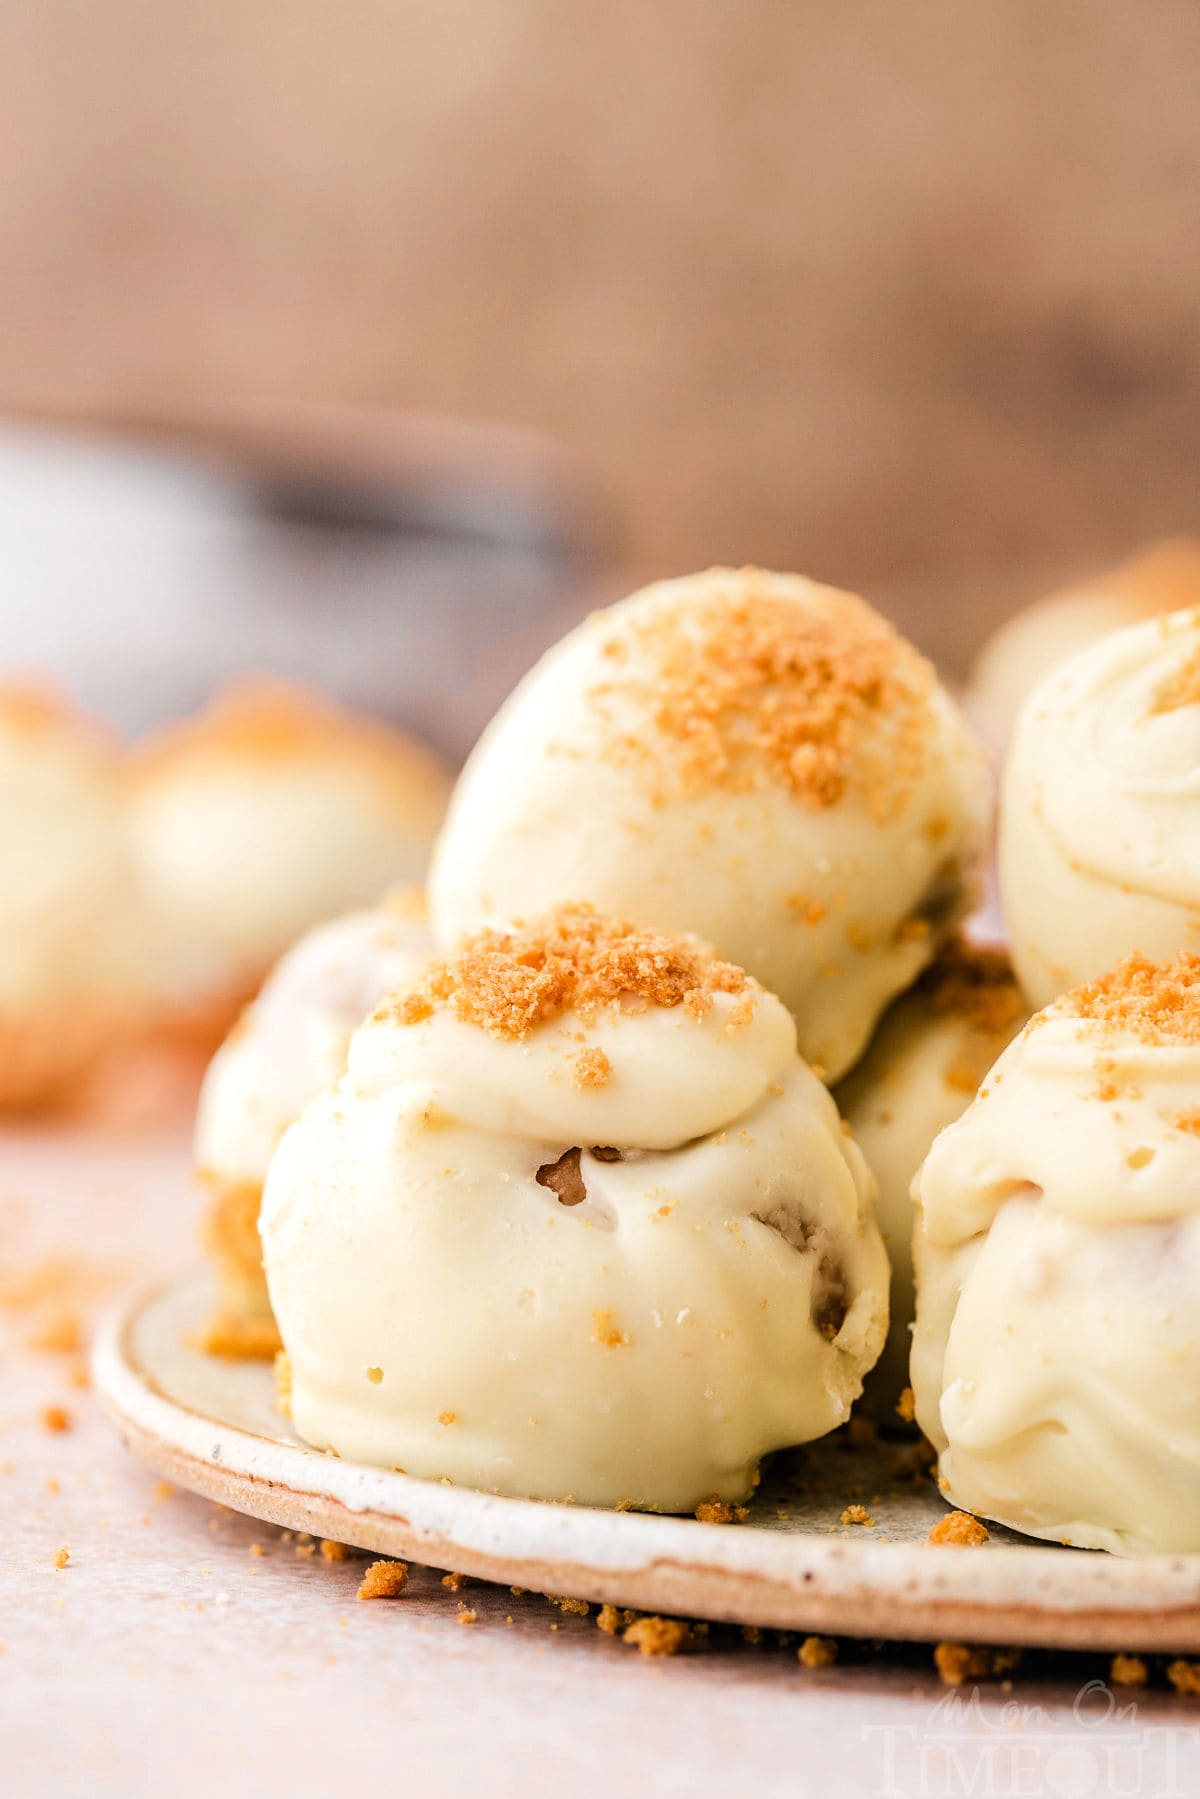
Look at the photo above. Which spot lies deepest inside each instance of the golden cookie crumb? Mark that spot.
(857, 1514)
(658, 1636)
(455, 1582)
(716, 1511)
(810, 911)
(238, 1339)
(1128, 1671)
(59, 1333)
(1185, 1677)
(573, 959)
(906, 1406)
(817, 1652)
(1157, 1003)
(447, 1417)
(333, 1551)
(959, 1528)
(56, 1418)
(465, 1615)
(574, 1608)
(811, 691)
(960, 1662)
(1181, 687)
(383, 1580)
(62, 1557)
(591, 1068)
(606, 1331)
(612, 1619)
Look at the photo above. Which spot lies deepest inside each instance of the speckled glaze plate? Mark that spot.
(211, 1426)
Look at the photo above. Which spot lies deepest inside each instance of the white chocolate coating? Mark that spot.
(291, 1042)
(921, 1073)
(258, 820)
(576, 791)
(1056, 1358)
(1100, 814)
(445, 1313)
(1042, 637)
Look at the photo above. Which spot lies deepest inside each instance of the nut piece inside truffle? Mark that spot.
(563, 1177)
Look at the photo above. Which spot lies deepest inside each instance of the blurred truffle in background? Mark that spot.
(258, 819)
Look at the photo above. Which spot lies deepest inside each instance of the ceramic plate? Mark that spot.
(211, 1425)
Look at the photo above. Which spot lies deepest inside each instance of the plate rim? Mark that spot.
(1036, 1594)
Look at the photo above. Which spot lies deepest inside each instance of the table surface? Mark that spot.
(187, 1649)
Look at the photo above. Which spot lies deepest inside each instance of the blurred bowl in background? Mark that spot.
(410, 566)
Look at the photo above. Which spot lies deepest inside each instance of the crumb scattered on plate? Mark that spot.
(959, 1528)
(715, 1511)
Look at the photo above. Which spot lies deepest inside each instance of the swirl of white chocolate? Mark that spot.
(1056, 1358)
(577, 1221)
(1099, 845)
(749, 756)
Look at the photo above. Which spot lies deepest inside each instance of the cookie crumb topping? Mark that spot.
(1154, 1002)
(758, 683)
(571, 960)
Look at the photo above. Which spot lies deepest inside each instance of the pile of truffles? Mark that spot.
(610, 1173)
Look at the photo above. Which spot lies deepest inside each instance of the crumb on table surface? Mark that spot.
(658, 1636)
(384, 1580)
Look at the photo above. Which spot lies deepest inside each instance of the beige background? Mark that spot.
(872, 289)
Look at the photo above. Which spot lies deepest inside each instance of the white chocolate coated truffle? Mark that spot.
(267, 814)
(749, 756)
(578, 1221)
(1100, 812)
(1056, 1358)
(922, 1071)
(1164, 577)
